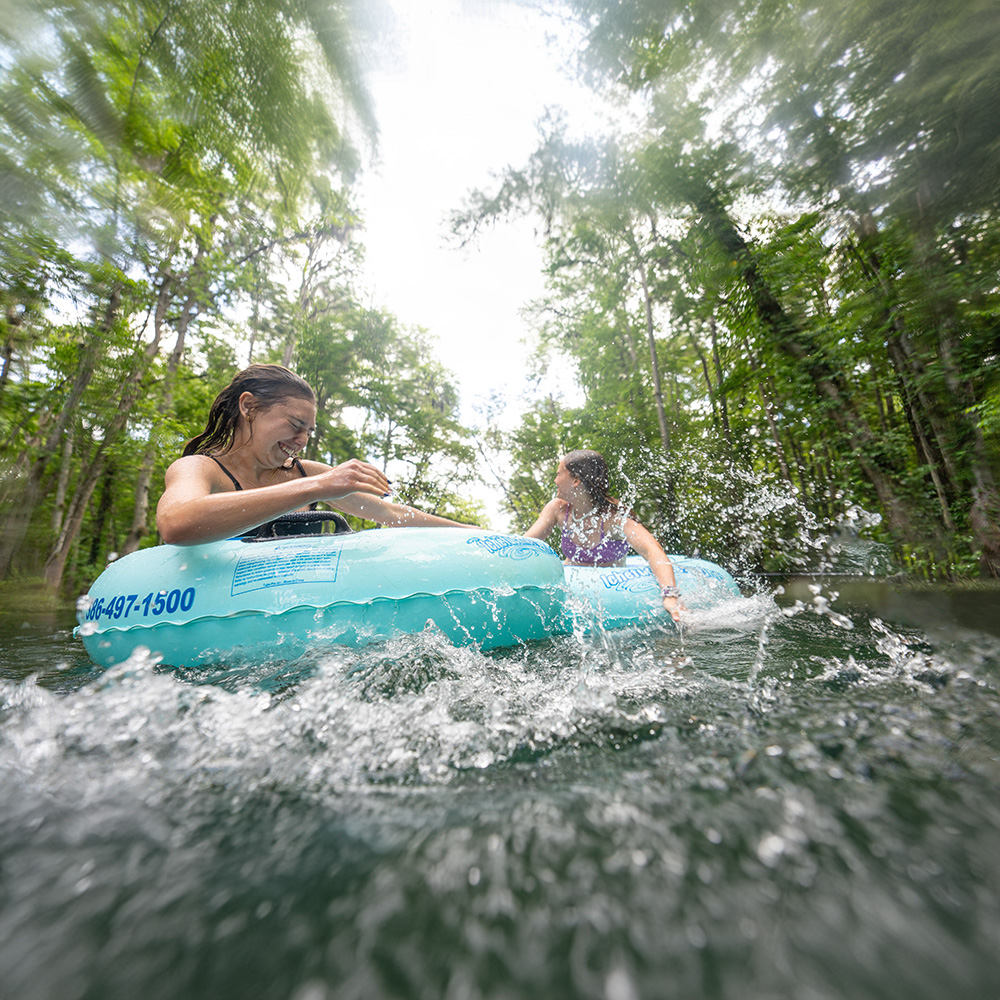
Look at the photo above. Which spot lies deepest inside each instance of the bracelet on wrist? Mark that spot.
(671, 592)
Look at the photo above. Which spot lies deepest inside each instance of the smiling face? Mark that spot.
(280, 431)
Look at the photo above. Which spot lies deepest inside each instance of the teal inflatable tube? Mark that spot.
(279, 598)
(200, 604)
(613, 597)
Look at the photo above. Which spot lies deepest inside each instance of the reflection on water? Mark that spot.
(798, 798)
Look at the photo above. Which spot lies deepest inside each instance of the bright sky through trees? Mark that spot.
(458, 88)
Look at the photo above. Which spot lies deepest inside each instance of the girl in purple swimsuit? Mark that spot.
(595, 530)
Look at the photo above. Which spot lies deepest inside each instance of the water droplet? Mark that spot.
(770, 849)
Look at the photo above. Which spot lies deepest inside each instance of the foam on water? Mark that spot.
(420, 710)
(791, 796)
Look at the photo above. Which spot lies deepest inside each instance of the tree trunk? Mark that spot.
(140, 510)
(62, 484)
(805, 481)
(775, 436)
(984, 514)
(710, 388)
(8, 360)
(661, 416)
(104, 505)
(789, 339)
(927, 425)
(17, 525)
(91, 472)
(719, 379)
(55, 564)
(947, 436)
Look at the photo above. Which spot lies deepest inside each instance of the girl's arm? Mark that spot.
(393, 515)
(193, 509)
(546, 520)
(659, 563)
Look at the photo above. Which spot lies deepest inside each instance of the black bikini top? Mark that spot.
(276, 528)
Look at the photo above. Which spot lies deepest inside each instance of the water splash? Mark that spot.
(750, 521)
(603, 811)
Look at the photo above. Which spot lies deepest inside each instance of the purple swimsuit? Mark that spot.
(607, 550)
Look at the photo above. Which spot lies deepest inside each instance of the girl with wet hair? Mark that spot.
(267, 384)
(595, 530)
(592, 471)
(243, 471)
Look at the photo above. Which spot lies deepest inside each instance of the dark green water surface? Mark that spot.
(798, 799)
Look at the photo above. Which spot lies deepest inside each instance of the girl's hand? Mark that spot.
(353, 476)
(673, 606)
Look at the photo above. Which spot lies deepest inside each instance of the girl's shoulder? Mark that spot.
(616, 521)
(196, 472)
(193, 463)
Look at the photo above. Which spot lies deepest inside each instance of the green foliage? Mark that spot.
(808, 234)
(175, 181)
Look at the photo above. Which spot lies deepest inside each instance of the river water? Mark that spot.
(797, 797)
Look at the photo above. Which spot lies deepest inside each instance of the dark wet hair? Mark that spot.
(591, 469)
(269, 384)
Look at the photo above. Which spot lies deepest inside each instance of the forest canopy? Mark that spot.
(177, 183)
(775, 279)
(782, 270)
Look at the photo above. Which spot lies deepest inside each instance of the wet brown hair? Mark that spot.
(591, 469)
(269, 384)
